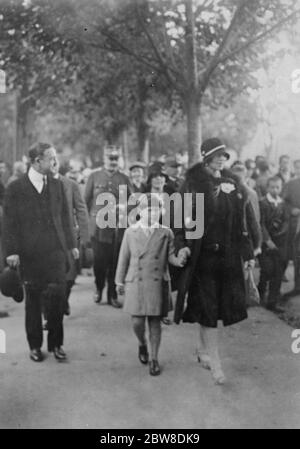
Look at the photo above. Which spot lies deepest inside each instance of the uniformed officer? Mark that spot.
(106, 241)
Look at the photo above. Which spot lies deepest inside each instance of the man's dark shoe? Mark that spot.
(115, 303)
(36, 355)
(97, 297)
(60, 354)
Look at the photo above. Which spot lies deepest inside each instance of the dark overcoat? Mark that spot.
(20, 218)
(198, 180)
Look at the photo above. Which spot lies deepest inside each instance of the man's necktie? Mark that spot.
(44, 184)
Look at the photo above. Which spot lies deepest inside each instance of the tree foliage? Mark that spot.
(120, 62)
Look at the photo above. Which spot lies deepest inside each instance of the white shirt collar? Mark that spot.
(36, 179)
(275, 201)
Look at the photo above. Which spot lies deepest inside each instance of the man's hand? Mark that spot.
(120, 289)
(271, 245)
(183, 255)
(13, 261)
(75, 253)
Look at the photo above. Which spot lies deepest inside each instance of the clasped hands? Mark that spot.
(183, 255)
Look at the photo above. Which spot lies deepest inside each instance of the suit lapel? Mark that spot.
(52, 196)
(28, 184)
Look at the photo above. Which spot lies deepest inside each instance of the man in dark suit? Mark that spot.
(291, 195)
(37, 233)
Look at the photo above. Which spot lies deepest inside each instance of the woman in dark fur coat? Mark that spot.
(213, 277)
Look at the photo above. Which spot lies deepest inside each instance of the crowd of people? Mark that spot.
(49, 222)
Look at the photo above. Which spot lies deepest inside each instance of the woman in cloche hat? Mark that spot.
(213, 277)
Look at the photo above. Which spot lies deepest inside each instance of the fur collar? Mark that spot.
(198, 179)
(198, 174)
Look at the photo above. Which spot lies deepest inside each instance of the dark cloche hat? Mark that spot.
(212, 146)
(156, 170)
(11, 285)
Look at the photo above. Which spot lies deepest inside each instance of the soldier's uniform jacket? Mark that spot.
(102, 181)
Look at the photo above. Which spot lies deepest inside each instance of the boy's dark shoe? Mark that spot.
(36, 355)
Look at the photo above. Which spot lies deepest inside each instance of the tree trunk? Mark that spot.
(146, 152)
(26, 133)
(125, 149)
(142, 127)
(22, 138)
(191, 96)
(194, 129)
(142, 137)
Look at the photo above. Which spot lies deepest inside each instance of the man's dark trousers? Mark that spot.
(45, 288)
(105, 263)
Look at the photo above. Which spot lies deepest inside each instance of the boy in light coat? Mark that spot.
(143, 275)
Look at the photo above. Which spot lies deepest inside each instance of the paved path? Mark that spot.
(105, 386)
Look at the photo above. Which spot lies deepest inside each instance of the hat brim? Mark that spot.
(132, 167)
(214, 153)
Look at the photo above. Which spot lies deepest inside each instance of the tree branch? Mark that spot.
(155, 49)
(168, 46)
(259, 37)
(199, 9)
(216, 58)
(190, 43)
(124, 49)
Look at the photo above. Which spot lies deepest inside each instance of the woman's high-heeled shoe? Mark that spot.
(204, 360)
(143, 354)
(218, 375)
(154, 368)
